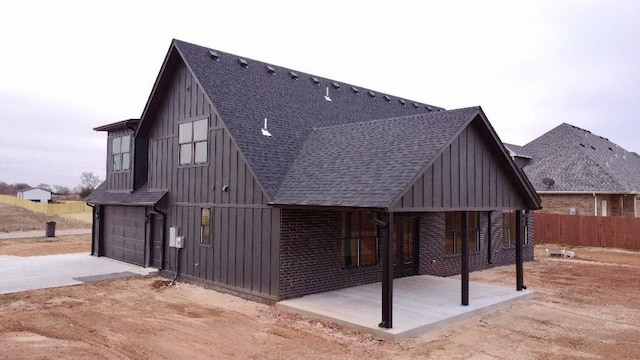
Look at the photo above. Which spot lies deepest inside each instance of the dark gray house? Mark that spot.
(284, 184)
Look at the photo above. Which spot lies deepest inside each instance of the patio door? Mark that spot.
(405, 232)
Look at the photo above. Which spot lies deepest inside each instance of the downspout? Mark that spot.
(93, 228)
(595, 204)
(489, 239)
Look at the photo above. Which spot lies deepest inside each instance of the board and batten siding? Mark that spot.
(119, 180)
(244, 252)
(470, 174)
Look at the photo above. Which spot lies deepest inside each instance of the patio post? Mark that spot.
(387, 276)
(519, 268)
(465, 258)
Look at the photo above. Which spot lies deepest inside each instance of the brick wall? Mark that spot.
(310, 251)
(617, 205)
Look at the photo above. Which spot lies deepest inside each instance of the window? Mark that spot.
(509, 228)
(604, 207)
(192, 138)
(205, 226)
(359, 240)
(453, 232)
(121, 152)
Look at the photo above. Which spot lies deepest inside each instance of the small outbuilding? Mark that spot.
(35, 195)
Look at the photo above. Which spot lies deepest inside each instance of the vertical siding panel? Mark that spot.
(226, 166)
(257, 250)
(275, 252)
(224, 263)
(241, 186)
(454, 181)
(199, 185)
(265, 271)
(445, 177)
(418, 196)
(258, 197)
(248, 248)
(231, 267)
(217, 244)
(249, 190)
(464, 171)
(438, 196)
(193, 92)
(407, 199)
(195, 240)
(200, 101)
(479, 169)
(233, 175)
(427, 186)
(218, 172)
(240, 225)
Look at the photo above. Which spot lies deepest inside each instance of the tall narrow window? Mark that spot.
(192, 138)
(121, 152)
(604, 207)
(359, 240)
(453, 232)
(205, 226)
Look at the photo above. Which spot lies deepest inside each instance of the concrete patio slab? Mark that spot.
(420, 304)
(40, 272)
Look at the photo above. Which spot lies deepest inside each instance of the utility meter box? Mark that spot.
(173, 234)
(179, 242)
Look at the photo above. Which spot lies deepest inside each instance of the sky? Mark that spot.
(69, 66)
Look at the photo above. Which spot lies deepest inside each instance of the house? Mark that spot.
(577, 172)
(35, 195)
(279, 183)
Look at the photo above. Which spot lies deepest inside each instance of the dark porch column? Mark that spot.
(519, 268)
(465, 258)
(387, 276)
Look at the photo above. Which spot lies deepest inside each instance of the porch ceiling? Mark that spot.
(421, 303)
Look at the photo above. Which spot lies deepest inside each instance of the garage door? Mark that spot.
(124, 233)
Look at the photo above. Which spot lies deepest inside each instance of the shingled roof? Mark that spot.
(245, 91)
(140, 197)
(580, 161)
(365, 164)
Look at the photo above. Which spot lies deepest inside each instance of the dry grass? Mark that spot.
(13, 218)
(46, 246)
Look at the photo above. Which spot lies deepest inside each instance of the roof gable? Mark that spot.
(244, 92)
(578, 160)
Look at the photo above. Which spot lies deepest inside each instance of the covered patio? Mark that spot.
(422, 303)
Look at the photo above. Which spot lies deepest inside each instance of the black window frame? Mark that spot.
(191, 143)
(347, 239)
(117, 158)
(453, 231)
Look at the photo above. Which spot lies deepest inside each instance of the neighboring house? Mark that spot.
(35, 195)
(577, 172)
(284, 183)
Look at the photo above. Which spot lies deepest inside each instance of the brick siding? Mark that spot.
(617, 205)
(310, 251)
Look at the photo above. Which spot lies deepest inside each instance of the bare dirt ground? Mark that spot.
(13, 218)
(587, 307)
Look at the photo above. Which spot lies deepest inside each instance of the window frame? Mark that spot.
(347, 239)
(120, 154)
(456, 232)
(193, 141)
(511, 225)
(205, 225)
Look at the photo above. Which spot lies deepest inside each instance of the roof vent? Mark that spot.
(265, 132)
(592, 148)
(429, 108)
(326, 97)
(583, 145)
(355, 89)
(415, 105)
(335, 85)
(386, 97)
(404, 103)
(243, 62)
(315, 80)
(371, 93)
(548, 181)
(213, 55)
(270, 69)
(293, 75)
(610, 149)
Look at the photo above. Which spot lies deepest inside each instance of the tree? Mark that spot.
(88, 180)
(44, 186)
(61, 190)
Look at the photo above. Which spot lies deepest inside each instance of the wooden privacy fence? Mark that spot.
(70, 207)
(610, 232)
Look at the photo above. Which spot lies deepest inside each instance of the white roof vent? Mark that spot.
(265, 132)
(326, 97)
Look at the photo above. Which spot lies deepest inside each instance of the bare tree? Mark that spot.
(61, 190)
(89, 180)
(44, 186)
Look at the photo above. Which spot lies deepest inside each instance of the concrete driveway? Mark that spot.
(40, 272)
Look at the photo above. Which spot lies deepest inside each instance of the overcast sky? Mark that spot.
(69, 66)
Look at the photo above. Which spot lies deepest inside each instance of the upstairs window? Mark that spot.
(192, 138)
(121, 153)
(453, 236)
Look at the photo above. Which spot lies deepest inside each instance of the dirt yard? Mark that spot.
(69, 244)
(587, 307)
(13, 218)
